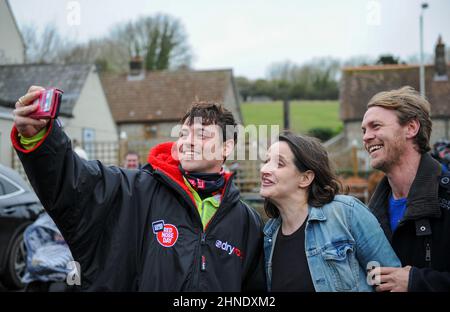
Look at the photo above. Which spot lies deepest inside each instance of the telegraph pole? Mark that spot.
(422, 66)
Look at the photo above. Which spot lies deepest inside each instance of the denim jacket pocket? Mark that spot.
(340, 260)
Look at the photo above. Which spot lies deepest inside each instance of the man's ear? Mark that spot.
(412, 128)
(228, 147)
(306, 178)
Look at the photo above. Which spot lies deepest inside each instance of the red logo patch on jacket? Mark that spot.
(166, 234)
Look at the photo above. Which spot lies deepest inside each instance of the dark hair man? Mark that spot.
(175, 225)
(412, 201)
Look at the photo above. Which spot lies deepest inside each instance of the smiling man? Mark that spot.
(412, 201)
(153, 229)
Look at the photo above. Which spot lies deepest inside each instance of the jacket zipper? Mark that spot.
(208, 225)
(203, 262)
(205, 231)
(202, 266)
(427, 245)
(188, 200)
(428, 253)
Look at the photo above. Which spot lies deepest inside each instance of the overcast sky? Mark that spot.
(248, 35)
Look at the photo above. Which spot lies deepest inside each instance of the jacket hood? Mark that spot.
(160, 159)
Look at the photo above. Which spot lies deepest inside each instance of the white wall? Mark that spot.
(12, 50)
(92, 111)
(5, 141)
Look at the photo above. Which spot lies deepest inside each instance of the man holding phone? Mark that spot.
(177, 224)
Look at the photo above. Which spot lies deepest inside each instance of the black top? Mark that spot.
(290, 271)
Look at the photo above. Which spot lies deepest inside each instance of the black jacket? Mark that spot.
(139, 230)
(422, 238)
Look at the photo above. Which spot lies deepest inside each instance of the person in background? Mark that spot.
(79, 150)
(131, 160)
(441, 152)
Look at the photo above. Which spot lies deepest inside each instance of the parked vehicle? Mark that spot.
(19, 207)
(49, 260)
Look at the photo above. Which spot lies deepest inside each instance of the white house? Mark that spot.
(12, 48)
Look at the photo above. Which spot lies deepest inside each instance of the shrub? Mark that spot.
(323, 134)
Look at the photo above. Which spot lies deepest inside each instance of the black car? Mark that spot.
(19, 207)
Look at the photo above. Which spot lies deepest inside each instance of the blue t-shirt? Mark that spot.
(397, 208)
(444, 169)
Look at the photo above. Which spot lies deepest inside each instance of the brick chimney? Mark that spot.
(440, 63)
(137, 71)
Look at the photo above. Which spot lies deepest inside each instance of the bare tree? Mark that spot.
(281, 70)
(42, 46)
(108, 54)
(161, 40)
(359, 60)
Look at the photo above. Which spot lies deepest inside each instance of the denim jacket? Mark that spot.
(341, 238)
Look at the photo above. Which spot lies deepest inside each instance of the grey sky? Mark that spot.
(248, 35)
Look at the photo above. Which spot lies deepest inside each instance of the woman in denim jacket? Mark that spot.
(316, 240)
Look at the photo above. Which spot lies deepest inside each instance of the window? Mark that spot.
(8, 187)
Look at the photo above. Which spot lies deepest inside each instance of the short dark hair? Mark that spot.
(213, 113)
(309, 154)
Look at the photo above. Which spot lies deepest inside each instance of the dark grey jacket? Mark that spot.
(422, 238)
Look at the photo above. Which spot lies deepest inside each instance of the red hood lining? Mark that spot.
(16, 140)
(160, 158)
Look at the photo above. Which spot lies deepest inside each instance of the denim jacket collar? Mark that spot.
(316, 214)
(272, 226)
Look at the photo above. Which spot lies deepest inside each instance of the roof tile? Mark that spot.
(162, 95)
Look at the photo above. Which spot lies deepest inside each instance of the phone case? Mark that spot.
(49, 102)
